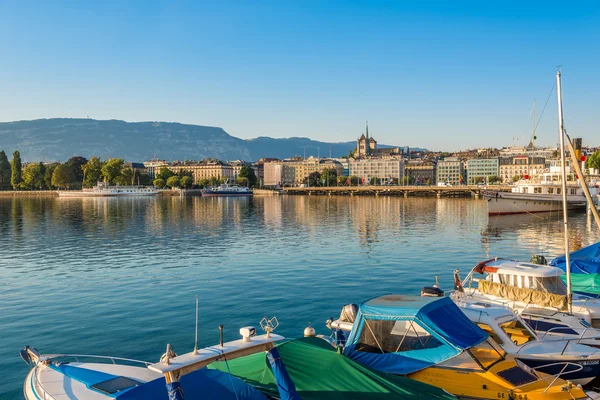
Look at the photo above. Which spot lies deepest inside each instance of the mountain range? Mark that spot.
(58, 139)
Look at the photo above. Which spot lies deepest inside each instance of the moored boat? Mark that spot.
(226, 190)
(70, 377)
(104, 190)
(430, 340)
(567, 358)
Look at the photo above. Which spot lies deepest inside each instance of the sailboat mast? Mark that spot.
(561, 133)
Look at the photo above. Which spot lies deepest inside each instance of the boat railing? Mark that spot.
(579, 338)
(106, 359)
(553, 377)
(36, 383)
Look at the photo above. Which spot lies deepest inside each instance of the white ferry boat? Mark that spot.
(104, 190)
(541, 192)
(226, 190)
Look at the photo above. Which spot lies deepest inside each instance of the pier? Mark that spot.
(439, 191)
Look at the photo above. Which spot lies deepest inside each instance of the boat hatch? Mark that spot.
(115, 385)
(517, 376)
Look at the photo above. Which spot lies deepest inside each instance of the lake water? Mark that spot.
(119, 276)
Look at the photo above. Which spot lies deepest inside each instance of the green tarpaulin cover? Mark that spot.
(586, 283)
(319, 372)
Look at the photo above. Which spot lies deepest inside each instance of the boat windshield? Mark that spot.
(380, 336)
(486, 353)
(517, 332)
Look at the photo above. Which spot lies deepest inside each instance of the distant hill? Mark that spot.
(61, 138)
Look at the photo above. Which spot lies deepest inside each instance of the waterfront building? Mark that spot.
(512, 151)
(153, 166)
(304, 167)
(277, 173)
(451, 170)
(259, 168)
(420, 172)
(480, 169)
(379, 168)
(345, 165)
(205, 169)
(520, 166)
(237, 167)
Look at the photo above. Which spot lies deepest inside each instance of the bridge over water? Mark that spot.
(392, 190)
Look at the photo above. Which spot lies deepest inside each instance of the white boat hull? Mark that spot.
(99, 194)
(503, 203)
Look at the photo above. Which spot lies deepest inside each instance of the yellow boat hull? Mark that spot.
(488, 385)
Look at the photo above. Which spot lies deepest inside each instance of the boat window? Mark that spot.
(558, 191)
(462, 361)
(537, 189)
(487, 329)
(551, 284)
(115, 385)
(486, 354)
(550, 190)
(548, 326)
(517, 332)
(379, 336)
(573, 191)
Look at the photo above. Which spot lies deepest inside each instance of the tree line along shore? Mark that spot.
(78, 173)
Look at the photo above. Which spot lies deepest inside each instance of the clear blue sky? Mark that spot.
(437, 74)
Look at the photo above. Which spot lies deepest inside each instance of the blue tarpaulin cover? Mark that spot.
(583, 261)
(201, 384)
(440, 317)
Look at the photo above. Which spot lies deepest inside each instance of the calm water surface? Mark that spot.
(119, 276)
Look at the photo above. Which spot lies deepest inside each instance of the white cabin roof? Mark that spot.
(481, 312)
(523, 268)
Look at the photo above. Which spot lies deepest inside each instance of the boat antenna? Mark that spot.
(561, 133)
(196, 339)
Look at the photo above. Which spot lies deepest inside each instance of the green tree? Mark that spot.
(33, 176)
(242, 181)
(174, 181)
(593, 161)
(184, 172)
(187, 181)
(341, 180)
(5, 171)
(313, 179)
(144, 179)
(48, 176)
(112, 169)
(77, 163)
(165, 173)
(63, 176)
(159, 183)
(493, 179)
(330, 176)
(214, 181)
(516, 178)
(125, 178)
(16, 170)
(92, 172)
(204, 182)
(248, 172)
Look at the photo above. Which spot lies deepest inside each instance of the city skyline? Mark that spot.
(437, 75)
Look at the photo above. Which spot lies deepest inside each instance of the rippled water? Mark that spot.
(119, 276)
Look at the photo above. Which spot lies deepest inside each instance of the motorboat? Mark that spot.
(84, 377)
(226, 190)
(429, 339)
(522, 285)
(567, 358)
(104, 190)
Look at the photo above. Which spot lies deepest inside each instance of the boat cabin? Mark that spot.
(403, 334)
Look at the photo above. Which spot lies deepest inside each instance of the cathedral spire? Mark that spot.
(367, 130)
